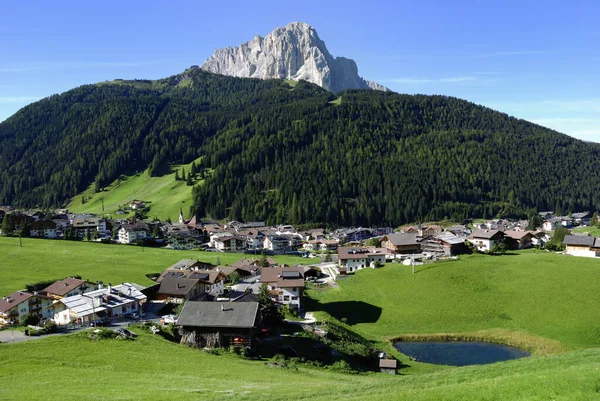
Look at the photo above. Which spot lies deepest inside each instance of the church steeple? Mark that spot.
(181, 219)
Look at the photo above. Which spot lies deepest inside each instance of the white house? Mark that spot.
(132, 233)
(276, 243)
(286, 285)
(351, 259)
(230, 243)
(43, 229)
(84, 225)
(103, 303)
(184, 240)
(484, 240)
(15, 306)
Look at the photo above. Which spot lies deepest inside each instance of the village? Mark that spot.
(220, 306)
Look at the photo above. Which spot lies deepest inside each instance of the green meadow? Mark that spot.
(151, 368)
(40, 260)
(591, 230)
(545, 302)
(164, 195)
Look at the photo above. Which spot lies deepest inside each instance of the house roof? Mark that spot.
(518, 235)
(218, 314)
(486, 234)
(246, 297)
(177, 285)
(183, 264)
(244, 262)
(61, 287)
(14, 299)
(449, 238)
(42, 225)
(579, 240)
(388, 363)
(283, 277)
(353, 253)
(580, 215)
(118, 295)
(401, 239)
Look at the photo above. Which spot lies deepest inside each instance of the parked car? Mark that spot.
(100, 323)
(166, 319)
(131, 316)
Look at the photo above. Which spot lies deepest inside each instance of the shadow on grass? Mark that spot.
(349, 312)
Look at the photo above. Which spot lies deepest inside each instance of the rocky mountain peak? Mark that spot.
(293, 52)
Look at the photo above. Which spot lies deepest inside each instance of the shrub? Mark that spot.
(50, 327)
(342, 367)
(29, 319)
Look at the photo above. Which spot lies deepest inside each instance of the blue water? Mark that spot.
(459, 353)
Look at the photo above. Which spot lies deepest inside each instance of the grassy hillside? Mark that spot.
(76, 367)
(531, 298)
(549, 301)
(591, 230)
(163, 194)
(41, 260)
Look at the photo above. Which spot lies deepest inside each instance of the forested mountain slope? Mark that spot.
(280, 153)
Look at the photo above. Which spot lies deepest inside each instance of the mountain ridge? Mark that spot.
(294, 52)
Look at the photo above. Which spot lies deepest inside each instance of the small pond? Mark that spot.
(459, 353)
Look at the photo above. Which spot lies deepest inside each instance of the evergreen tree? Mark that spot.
(193, 169)
(189, 181)
(595, 222)
(535, 221)
(8, 225)
(176, 175)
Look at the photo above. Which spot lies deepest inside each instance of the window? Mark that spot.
(286, 298)
(294, 298)
(294, 289)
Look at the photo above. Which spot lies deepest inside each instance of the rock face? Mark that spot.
(292, 52)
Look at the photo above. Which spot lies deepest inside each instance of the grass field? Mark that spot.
(164, 195)
(75, 367)
(40, 259)
(592, 230)
(532, 299)
(337, 101)
(544, 299)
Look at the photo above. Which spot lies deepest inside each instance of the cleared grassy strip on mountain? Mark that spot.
(540, 295)
(164, 195)
(41, 260)
(153, 368)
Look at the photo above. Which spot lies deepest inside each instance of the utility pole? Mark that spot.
(413, 264)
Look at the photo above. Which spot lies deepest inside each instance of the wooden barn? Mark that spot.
(219, 324)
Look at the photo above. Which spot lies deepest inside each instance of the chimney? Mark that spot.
(100, 285)
(129, 291)
(109, 288)
(222, 308)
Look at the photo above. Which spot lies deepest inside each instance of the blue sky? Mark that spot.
(537, 60)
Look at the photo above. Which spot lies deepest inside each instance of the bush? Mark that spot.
(30, 319)
(50, 327)
(342, 367)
